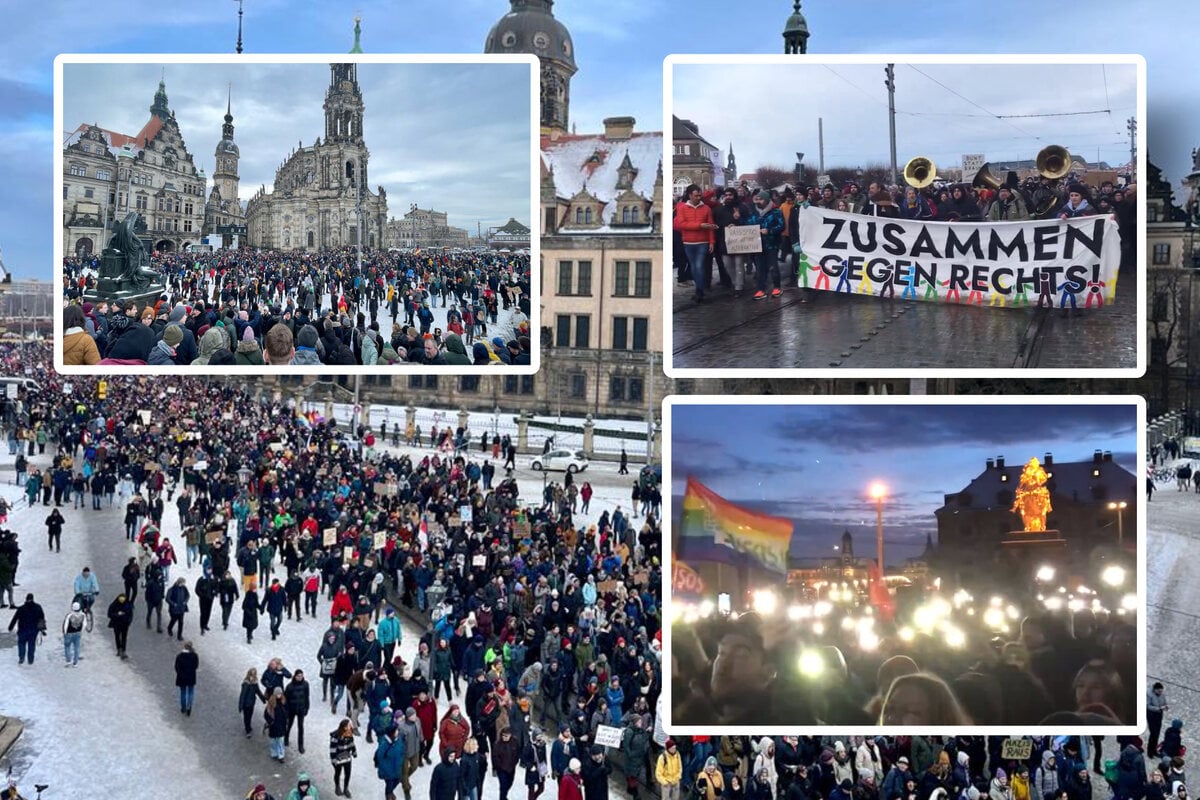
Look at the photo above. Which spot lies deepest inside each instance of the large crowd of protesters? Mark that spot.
(250, 308)
(701, 217)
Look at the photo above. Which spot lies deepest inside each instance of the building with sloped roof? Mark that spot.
(107, 174)
(979, 517)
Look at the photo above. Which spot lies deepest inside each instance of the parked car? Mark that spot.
(560, 461)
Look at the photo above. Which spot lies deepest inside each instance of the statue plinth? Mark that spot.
(1034, 539)
(122, 277)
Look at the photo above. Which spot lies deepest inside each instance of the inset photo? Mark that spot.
(918, 565)
(296, 212)
(904, 214)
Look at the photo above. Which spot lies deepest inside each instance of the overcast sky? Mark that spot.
(813, 464)
(619, 47)
(409, 111)
(942, 111)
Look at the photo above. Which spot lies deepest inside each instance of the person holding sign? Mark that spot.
(769, 220)
(694, 221)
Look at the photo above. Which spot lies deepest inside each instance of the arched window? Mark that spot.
(625, 214)
(633, 215)
(579, 216)
(587, 216)
(310, 238)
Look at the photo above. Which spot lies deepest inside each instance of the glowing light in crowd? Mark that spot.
(961, 597)
(797, 613)
(847, 624)
(924, 618)
(765, 602)
(907, 634)
(940, 607)
(1075, 605)
(868, 640)
(996, 601)
(993, 618)
(1113, 575)
(1054, 603)
(811, 664)
(1084, 590)
(822, 609)
(865, 624)
(1012, 612)
(819, 628)
(677, 611)
(1045, 574)
(1129, 602)
(954, 637)
(724, 603)
(706, 609)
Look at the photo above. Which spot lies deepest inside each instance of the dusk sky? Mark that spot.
(619, 47)
(813, 464)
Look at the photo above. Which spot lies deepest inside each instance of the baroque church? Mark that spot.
(321, 191)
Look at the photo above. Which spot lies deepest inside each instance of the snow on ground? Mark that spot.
(99, 728)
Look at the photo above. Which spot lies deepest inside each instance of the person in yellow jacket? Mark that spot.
(1020, 783)
(668, 771)
(710, 781)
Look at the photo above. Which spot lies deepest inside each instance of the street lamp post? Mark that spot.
(1119, 507)
(496, 422)
(878, 492)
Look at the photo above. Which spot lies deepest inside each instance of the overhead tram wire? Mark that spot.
(972, 102)
(855, 85)
(1107, 102)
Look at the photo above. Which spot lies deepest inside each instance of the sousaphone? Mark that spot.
(920, 172)
(1053, 164)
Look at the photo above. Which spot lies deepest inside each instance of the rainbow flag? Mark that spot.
(762, 538)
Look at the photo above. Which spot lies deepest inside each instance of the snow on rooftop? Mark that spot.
(595, 161)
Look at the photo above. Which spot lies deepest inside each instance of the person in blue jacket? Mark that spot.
(389, 760)
(769, 220)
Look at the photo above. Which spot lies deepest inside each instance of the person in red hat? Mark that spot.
(668, 771)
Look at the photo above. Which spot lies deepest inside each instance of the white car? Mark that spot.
(560, 461)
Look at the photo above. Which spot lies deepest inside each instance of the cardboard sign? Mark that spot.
(641, 577)
(1016, 749)
(380, 541)
(479, 561)
(604, 587)
(523, 528)
(608, 736)
(741, 239)
(348, 553)
(454, 521)
(144, 415)
(329, 537)
(214, 537)
(467, 514)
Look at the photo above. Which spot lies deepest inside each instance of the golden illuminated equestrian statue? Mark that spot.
(1033, 498)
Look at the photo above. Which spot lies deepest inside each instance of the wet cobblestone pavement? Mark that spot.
(819, 330)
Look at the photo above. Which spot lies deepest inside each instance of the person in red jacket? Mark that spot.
(426, 708)
(570, 785)
(454, 730)
(341, 604)
(694, 221)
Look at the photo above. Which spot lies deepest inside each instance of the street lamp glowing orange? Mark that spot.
(878, 491)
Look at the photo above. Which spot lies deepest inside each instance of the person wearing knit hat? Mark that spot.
(248, 352)
(1077, 204)
(307, 343)
(259, 792)
(304, 788)
(165, 352)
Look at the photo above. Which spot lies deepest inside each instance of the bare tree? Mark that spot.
(769, 177)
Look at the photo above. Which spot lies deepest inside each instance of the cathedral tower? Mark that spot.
(530, 27)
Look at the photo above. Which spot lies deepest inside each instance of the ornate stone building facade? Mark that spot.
(107, 174)
(318, 190)
(423, 228)
(696, 160)
(223, 214)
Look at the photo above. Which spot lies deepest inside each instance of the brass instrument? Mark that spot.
(985, 179)
(1054, 162)
(920, 172)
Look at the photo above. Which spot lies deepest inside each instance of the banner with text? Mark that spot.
(1044, 263)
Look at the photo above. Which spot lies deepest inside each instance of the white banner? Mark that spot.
(740, 239)
(1052, 263)
(608, 736)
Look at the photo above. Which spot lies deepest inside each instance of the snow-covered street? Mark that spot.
(88, 727)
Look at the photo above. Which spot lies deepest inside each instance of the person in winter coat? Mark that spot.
(389, 762)
(442, 668)
(570, 785)
(1020, 783)
(1172, 743)
(342, 752)
(54, 528)
(388, 633)
(635, 747)
(868, 760)
(594, 772)
(304, 786)
(426, 708)
(187, 664)
(276, 716)
(177, 605)
(893, 783)
(506, 755)
(248, 696)
(248, 352)
(259, 792)
(446, 779)
(410, 728)
(206, 592)
(274, 602)
(249, 610)
(227, 595)
(765, 761)
(1131, 775)
(296, 695)
(668, 771)
(453, 731)
(327, 657)
(999, 789)
(472, 767)
(1045, 778)
(120, 617)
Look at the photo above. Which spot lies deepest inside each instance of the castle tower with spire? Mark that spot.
(223, 211)
(795, 32)
(530, 27)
